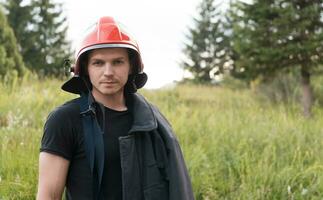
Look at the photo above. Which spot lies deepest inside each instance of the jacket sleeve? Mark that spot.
(180, 187)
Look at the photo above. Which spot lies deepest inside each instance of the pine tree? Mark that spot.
(20, 18)
(206, 50)
(278, 36)
(52, 46)
(41, 33)
(10, 59)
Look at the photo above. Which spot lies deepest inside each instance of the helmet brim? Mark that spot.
(141, 80)
(75, 85)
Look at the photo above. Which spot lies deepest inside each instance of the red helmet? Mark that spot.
(106, 33)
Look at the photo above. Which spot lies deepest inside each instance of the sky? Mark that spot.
(158, 26)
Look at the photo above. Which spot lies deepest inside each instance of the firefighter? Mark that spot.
(110, 143)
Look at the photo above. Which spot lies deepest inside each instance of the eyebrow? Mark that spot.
(117, 58)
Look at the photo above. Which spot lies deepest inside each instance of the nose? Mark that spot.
(108, 70)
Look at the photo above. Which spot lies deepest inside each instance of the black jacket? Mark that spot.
(151, 158)
(152, 163)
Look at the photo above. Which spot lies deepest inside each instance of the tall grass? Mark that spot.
(235, 146)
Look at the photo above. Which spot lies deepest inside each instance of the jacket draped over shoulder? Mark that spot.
(151, 159)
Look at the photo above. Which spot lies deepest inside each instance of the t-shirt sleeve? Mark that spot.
(58, 134)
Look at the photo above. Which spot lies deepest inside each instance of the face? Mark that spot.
(108, 70)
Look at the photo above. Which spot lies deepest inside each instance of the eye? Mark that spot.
(118, 62)
(97, 62)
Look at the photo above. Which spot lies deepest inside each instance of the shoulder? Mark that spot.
(144, 104)
(68, 109)
(64, 113)
(62, 130)
(163, 124)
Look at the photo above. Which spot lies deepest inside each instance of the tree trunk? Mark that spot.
(307, 98)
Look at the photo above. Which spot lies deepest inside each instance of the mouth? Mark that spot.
(108, 82)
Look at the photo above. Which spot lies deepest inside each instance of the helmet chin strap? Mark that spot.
(88, 89)
(86, 83)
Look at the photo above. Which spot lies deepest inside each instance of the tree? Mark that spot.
(206, 50)
(51, 32)
(277, 36)
(10, 59)
(41, 31)
(20, 19)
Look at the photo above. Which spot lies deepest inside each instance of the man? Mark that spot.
(110, 143)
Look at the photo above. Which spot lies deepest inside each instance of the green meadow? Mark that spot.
(236, 145)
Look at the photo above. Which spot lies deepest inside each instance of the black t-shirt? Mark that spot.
(63, 136)
(118, 124)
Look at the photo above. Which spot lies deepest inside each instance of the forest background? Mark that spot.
(248, 116)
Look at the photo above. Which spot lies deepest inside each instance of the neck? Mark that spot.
(114, 102)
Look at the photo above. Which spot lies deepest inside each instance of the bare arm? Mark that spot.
(52, 176)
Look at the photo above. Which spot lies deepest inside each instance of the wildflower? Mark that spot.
(304, 191)
(289, 189)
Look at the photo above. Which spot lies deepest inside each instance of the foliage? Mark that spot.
(21, 19)
(10, 59)
(41, 32)
(207, 45)
(283, 88)
(278, 36)
(235, 146)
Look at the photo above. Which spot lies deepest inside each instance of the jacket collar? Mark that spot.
(143, 116)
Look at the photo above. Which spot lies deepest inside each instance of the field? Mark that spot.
(236, 146)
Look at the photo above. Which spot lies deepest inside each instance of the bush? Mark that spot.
(284, 88)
